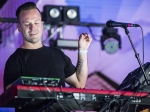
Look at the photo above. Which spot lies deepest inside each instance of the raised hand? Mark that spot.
(84, 41)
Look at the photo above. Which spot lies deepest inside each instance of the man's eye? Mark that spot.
(36, 23)
(26, 24)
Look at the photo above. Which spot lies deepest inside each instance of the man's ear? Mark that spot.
(19, 27)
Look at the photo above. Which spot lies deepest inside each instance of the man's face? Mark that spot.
(30, 25)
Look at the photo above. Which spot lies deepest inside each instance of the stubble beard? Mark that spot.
(33, 40)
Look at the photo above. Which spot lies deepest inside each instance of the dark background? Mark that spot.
(2, 2)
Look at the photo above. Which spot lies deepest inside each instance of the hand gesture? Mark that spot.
(84, 41)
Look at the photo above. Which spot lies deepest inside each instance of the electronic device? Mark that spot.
(135, 80)
(37, 81)
(33, 97)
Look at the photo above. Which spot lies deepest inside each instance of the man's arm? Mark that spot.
(12, 72)
(78, 79)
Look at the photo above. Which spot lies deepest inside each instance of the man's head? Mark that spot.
(26, 6)
(30, 22)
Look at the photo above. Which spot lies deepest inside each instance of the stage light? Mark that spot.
(110, 40)
(71, 14)
(53, 14)
(64, 44)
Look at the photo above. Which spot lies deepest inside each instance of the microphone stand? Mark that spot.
(136, 54)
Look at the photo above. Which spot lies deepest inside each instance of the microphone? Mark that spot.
(119, 24)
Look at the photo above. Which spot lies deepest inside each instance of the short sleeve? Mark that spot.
(69, 68)
(11, 72)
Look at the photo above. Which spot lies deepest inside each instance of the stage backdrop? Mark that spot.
(115, 66)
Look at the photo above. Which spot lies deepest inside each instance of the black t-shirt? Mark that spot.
(43, 62)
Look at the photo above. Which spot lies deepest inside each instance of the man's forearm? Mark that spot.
(82, 69)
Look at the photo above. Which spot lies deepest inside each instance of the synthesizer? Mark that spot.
(25, 80)
(32, 96)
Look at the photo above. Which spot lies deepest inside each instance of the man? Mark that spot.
(36, 60)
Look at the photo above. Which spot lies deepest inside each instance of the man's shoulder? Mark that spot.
(16, 53)
(52, 49)
(13, 56)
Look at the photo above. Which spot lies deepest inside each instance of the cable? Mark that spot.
(49, 103)
(59, 102)
(66, 101)
(139, 97)
(137, 102)
(136, 107)
(126, 101)
(128, 107)
(105, 106)
(133, 82)
(136, 89)
(78, 104)
(55, 97)
(46, 106)
(142, 43)
(114, 106)
(132, 87)
(92, 34)
(44, 94)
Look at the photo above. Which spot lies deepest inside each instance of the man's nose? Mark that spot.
(32, 26)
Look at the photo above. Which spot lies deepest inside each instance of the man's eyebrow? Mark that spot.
(25, 21)
(29, 21)
(37, 20)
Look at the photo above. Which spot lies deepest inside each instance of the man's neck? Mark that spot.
(31, 46)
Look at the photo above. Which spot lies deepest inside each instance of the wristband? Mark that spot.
(83, 51)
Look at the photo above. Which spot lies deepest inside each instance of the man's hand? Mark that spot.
(84, 41)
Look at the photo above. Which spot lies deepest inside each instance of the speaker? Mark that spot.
(71, 14)
(135, 80)
(52, 14)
